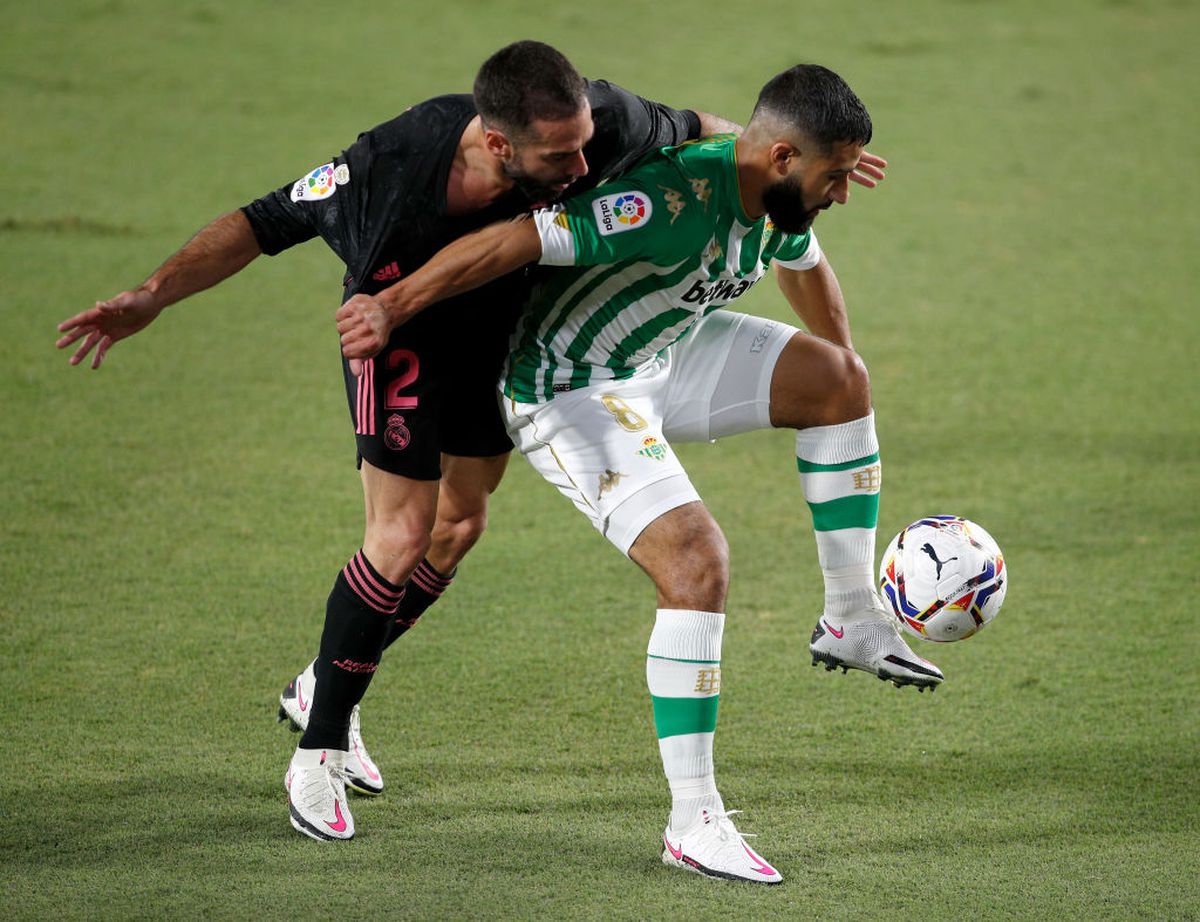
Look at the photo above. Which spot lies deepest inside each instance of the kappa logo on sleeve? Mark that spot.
(623, 211)
(320, 183)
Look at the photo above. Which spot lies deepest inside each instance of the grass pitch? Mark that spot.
(1022, 287)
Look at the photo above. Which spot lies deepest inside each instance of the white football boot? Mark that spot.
(362, 774)
(316, 787)
(870, 640)
(295, 705)
(713, 847)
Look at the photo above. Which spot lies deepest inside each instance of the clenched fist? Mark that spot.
(364, 326)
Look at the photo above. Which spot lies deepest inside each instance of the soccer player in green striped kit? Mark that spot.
(631, 347)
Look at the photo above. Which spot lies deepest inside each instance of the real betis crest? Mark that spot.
(653, 449)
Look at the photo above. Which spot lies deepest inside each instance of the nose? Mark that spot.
(579, 166)
(841, 191)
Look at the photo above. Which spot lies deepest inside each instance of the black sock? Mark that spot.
(423, 588)
(360, 608)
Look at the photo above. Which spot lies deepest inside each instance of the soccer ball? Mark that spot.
(943, 577)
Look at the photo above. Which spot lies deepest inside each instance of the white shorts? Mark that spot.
(607, 447)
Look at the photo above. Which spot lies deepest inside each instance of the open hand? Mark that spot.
(107, 323)
(869, 171)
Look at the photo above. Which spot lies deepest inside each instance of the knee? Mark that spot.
(455, 535)
(700, 577)
(817, 383)
(396, 544)
(852, 384)
(711, 569)
(845, 392)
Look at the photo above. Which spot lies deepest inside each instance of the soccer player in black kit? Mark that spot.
(431, 444)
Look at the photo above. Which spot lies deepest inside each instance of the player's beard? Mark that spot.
(784, 201)
(537, 193)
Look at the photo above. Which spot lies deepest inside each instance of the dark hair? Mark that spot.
(524, 81)
(818, 103)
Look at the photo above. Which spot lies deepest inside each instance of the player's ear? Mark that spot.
(497, 143)
(780, 155)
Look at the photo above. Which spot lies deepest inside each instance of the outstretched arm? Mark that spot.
(816, 297)
(365, 322)
(216, 252)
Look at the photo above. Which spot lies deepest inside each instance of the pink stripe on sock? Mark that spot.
(421, 581)
(430, 573)
(375, 582)
(361, 582)
(365, 594)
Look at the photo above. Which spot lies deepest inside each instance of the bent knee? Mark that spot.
(849, 380)
(396, 545)
(458, 535)
(818, 383)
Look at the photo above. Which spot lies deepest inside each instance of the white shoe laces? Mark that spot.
(324, 782)
(726, 831)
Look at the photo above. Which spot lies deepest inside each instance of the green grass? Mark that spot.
(1023, 288)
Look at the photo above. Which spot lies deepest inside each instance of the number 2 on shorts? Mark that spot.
(412, 367)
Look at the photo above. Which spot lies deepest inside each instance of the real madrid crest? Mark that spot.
(397, 435)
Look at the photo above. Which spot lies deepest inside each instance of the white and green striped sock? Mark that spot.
(841, 475)
(683, 671)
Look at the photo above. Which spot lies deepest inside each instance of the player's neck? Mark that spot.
(476, 179)
(751, 182)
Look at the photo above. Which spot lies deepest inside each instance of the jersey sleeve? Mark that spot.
(628, 127)
(621, 222)
(329, 201)
(799, 251)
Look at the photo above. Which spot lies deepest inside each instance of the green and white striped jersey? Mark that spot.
(651, 252)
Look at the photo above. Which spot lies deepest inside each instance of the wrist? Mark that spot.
(153, 293)
(400, 302)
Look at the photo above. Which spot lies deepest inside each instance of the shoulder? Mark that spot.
(707, 167)
(425, 124)
(606, 96)
(616, 115)
(619, 116)
(654, 203)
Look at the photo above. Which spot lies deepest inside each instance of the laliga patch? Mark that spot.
(621, 212)
(320, 183)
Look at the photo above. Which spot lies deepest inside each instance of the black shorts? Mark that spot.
(432, 390)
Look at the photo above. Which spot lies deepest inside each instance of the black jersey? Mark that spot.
(381, 205)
